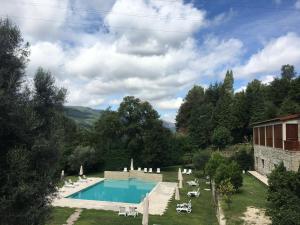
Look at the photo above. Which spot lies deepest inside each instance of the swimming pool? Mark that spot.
(128, 191)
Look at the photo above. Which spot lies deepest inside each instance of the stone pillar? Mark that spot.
(258, 132)
(283, 135)
(265, 129)
(273, 136)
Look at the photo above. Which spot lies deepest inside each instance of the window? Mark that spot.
(278, 135)
(269, 131)
(263, 163)
(262, 135)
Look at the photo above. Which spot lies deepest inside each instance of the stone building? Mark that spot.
(277, 140)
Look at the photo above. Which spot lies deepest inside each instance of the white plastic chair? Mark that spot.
(158, 170)
(184, 171)
(189, 172)
(145, 170)
(125, 169)
(150, 170)
(132, 211)
(139, 169)
(122, 211)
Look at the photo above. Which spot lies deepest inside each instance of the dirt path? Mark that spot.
(254, 216)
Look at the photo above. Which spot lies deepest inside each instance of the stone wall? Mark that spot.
(272, 157)
(133, 174)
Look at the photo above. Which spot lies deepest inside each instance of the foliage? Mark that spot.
(226, 190)
(284, 196)
(82, 155)
(221, 137)
(216, 159)
(200, 159)
(134, 131)
(244, 158)
(229, 171)
(32, 134)
(205, 111)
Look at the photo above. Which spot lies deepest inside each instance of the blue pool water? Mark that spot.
(129, 191)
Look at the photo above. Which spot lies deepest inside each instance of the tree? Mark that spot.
(244, 159)
(221, 137)
(284, 196)
(216, 159)
(200, 159)
(82, 155)
(223, 111)
(226, 190)
(229, 171)
(288, 72)
(194, 97)
(29, 135)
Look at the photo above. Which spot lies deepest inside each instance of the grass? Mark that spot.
(60, 216)
(253, 193)
(203, 211)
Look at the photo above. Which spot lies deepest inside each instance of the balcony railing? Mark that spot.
(292, 145)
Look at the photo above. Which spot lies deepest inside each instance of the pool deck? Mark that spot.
(159, 198)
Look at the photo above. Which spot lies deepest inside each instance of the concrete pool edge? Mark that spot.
(159, 198)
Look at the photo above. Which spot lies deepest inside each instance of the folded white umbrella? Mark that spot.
(180, 178)
(177, 196)
(62, 174)
(146, 211)
(81, 171)
(180, 183)
(131, 165)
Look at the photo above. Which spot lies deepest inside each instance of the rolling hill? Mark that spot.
(85, 116)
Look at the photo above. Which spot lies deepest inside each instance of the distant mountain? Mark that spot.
(169, 125)
(83, 116)
(86, 117)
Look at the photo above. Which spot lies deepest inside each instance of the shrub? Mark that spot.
(229, 171)
(244, 158)
(284, 196)
(200, 159)
(213, 163)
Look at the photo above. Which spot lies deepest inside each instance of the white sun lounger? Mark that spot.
(150, 170)
(125, 169)
(189, 172)
(193, 182)
(139, 169)
(184, 171)
(145, 170)
(67, 184)
(158, 170)
(194, 193)
(82, 180)
(184, 207)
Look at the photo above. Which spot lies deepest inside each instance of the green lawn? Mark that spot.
(203, 210)
(60, 216)
(253, 193)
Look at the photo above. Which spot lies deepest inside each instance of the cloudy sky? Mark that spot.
(103, 50)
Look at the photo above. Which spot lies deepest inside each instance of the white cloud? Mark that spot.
(148, 48)
(267, 79)
(277, 52)
(170, 103)
(242, 88)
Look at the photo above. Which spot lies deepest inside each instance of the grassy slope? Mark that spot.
(253, 193)
(203, 211)
(83, 116)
